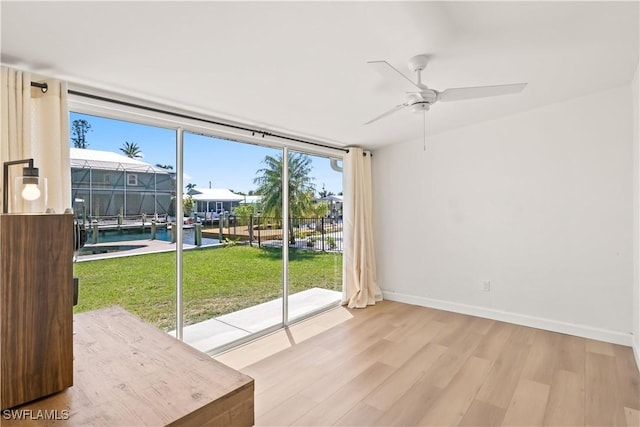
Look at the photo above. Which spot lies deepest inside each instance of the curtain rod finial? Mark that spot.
(43, 86)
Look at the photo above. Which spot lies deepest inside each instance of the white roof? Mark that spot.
(251, 199)
(338, 199)
(215, 194)
(107, 160)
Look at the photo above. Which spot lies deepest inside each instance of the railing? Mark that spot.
(319, 234)
(126, 219)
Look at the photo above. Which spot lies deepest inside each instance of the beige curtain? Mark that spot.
(361, 283)
(36, 125)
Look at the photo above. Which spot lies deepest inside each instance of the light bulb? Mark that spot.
(30, 192)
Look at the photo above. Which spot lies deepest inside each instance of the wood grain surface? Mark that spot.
(36, 306)
(395, 364)
(128, 373)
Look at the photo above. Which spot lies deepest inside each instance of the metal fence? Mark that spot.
(319, 234)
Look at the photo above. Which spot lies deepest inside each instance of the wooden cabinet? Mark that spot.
(129, 373)
(36, 306)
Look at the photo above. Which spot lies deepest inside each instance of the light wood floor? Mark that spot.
(398, 364)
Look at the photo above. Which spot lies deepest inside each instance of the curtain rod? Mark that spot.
(44, 87)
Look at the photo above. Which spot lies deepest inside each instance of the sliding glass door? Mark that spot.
(122, 180)
(212, 240)
(232, 267)
(315, 235)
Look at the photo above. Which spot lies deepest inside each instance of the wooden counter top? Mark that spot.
(128, 373)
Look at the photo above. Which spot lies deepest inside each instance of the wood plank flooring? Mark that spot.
(395, 364)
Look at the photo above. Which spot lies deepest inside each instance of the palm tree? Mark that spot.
(167, 167)
(131, 149)
(301, 188)
(324, 192)
(317, 211)
(79, 130)
(190, 186)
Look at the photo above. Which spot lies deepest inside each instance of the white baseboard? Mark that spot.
(636, 353)
(519, 319)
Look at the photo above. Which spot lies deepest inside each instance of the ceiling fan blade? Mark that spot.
(391, 111)
(462, 93)
(387, 71)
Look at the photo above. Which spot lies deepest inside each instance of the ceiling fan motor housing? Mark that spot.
(429, 96)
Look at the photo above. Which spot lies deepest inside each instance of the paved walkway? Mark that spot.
(138, 247)
(222, 330)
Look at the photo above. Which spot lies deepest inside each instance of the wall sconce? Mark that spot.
(30, 187)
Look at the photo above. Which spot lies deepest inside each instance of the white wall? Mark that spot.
(538, 203)
(635, 93)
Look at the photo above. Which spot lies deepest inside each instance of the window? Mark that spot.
(271, 246)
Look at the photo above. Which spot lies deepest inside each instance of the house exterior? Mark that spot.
(213, 201)
(335, 204)
(108, 184)
(251, 200)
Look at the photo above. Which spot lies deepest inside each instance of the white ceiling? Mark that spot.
(301, 67)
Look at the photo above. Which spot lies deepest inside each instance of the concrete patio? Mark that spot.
(216, 332)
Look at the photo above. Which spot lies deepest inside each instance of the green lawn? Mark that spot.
(216, 281)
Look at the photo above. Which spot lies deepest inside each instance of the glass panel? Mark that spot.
(123, 183)
(124, 188)
(315, 239)
(232, 279)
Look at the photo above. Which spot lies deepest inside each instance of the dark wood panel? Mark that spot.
(36, 306)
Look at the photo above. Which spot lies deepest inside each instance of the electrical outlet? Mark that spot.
(485, 286)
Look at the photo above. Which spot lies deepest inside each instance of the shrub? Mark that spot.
(311, 241)
(228, 243)
(331, 241)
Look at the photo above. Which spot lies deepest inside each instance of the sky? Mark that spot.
(208, 161)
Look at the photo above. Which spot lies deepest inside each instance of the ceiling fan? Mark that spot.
(419, 97)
